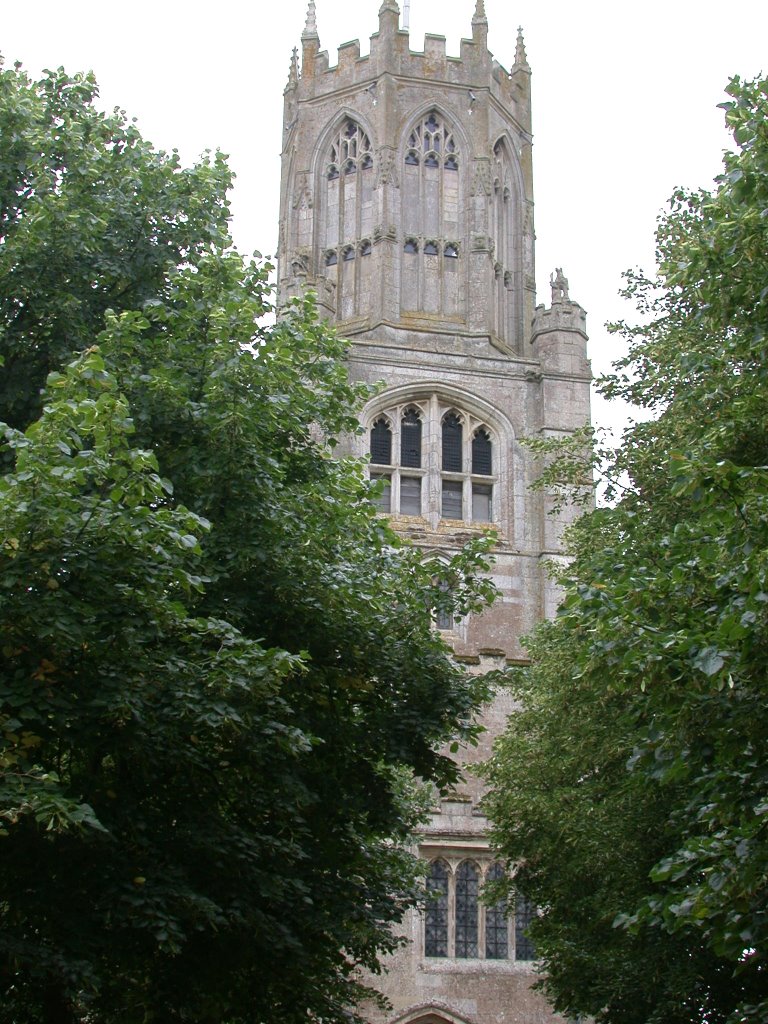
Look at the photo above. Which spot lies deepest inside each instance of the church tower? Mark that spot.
(407, 206)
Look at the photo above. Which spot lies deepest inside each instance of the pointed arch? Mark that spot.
(449, 452)
(343, 170)
(433, 153)
(431, 1013)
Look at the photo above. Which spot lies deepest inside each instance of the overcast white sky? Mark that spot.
(624, 100)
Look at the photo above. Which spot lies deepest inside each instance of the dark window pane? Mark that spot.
(384, 500)
(481, 453)
(436, 914)
(333, 173)
(365, 248)
(331, 259)
(381, 443)
(367, 162)
(496, 943)
(482, 508)
(451, 251)
(452, 499)
(411, 157)
(410, 495)
(430, 248)
(444, 616)
(411, 245)
(452, 444)
(451, 164)
(348, 254)
(524, 914)
(431, 123)
(410, 440)
(466, 910)
(430, 160)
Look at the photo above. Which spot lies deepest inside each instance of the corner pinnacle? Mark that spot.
(521, 57)
(310, 29)
(479, 14)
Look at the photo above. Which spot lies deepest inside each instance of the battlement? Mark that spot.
(390, 54)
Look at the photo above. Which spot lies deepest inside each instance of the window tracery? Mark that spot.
(435, 460)
(348, 215)
(431, 215)
(459, 924)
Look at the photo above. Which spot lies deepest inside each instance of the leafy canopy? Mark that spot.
(633, 787)
(219, 676)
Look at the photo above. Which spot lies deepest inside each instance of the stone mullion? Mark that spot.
(432, 462)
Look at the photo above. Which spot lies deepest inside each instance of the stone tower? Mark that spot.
(407, 205)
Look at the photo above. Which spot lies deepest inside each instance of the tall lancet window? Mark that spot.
(504, 232)
(348, 217)
(431, 197)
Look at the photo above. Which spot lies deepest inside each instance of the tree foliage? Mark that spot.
(220, 676)
(633, 786)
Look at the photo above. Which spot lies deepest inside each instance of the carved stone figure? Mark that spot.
(559, 285)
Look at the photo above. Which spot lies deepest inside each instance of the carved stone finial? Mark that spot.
(293, 72)
(521, 57)
(479, 14)
(389, 5)
(310, 29)
(558, 282)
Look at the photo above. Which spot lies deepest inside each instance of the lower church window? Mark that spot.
(458, 924)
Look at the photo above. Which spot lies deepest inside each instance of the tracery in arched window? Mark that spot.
(463, 474)
(466, 909)
(431, 199)
(348, 215)
(436, 913)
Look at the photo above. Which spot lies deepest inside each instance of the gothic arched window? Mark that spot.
(348, 213)
(466, 909)
(457, 922)
(431, 201)
(461, 466)
(436, 913)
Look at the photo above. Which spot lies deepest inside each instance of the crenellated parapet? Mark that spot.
(391, 54)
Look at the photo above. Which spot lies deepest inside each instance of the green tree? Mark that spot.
(633, 787)
(220, 677)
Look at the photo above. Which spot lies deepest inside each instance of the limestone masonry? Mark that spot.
(407, 205)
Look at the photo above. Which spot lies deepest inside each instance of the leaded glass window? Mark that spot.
(496, 940)
(525, 912)
(436, 913)
(466, 910)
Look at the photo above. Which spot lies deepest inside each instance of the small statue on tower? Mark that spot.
(559, 285)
